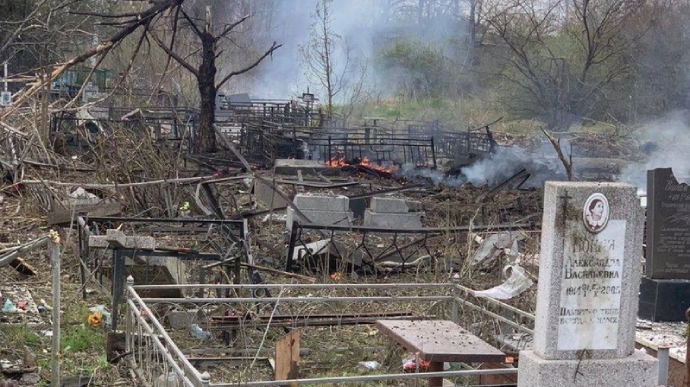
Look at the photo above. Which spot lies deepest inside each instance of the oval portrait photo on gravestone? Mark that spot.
(595, 214)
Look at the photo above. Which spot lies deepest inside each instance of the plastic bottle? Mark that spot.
(8, 306)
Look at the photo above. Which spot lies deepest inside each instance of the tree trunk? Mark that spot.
(207, 93)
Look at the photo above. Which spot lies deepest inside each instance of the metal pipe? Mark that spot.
(162, 220)
(170, 344)
(370, 378)
(662, 354)
(298, 286)
(433, 153)
(383, 230)
(54, 252)
(181, 372)
(494, 315)
(207, 301)
(498, 303)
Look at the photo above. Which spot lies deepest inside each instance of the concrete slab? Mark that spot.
(98, 242)
(119, 240)
(389, 205)
(159, 271)
(267, 196)
(322, 202)
(636, 370)
(291, 166)
(116, 238)
(410, 220)
(340, 218)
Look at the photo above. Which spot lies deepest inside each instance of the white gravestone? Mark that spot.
(589, 280)
(589, 308)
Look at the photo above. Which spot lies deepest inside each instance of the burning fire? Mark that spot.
(336, 162)
(339, 161)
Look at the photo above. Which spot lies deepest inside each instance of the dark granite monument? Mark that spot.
(665, 287)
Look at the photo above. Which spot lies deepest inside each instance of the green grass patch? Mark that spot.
(82, 338)
(16, 336)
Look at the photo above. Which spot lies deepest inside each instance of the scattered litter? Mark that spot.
(196, 332)
(81, 193)
(43, 303)
(491, 247)
(17, 306)
(313, 248)
(95, 320)
(103, 312)
(275, 218)
(412, 363)
(185, 210)
(516, 283)
(8, 306)
(368, 365)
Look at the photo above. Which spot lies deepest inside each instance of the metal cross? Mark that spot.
(564, 198)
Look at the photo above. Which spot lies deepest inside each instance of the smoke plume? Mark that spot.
(666, 142)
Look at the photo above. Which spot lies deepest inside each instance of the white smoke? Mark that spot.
(667, 143)
(494, 169)
(362, 24)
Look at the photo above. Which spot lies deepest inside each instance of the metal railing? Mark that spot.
(155, 354)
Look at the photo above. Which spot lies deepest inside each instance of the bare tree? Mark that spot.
(126, 24)
(320, 51)
(560, 72)
(205, 72)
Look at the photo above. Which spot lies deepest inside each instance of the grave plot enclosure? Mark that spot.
(242, 332)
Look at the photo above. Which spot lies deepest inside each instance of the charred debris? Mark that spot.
(288, 193)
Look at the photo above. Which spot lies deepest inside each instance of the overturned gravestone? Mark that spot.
(588, 290)
(665, 288)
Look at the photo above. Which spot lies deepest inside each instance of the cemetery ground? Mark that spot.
(83, 347)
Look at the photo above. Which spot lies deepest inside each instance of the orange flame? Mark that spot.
(339, 161)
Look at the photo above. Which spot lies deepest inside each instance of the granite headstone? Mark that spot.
(668, 226)
(665, 287)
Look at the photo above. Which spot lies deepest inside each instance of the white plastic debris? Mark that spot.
(9, 307)
(368, 365)
(315, 248)
(81, 193)
(516, 283)
(196, 331)
(275, 218)
(491, 247)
